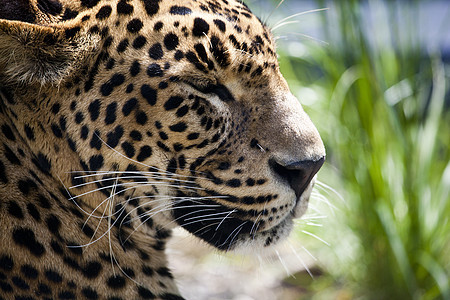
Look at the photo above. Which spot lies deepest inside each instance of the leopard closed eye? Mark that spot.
(123, 119)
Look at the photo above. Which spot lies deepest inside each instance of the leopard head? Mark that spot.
(175, 112)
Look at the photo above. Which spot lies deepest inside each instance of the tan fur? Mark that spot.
(151, 120)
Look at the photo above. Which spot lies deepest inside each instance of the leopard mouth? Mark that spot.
(233, 229)
(214, 223)
(302, 201)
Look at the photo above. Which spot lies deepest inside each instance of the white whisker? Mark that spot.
(209, 40)
(240, 226)
(128, 178)
(157, 183)
(166, 207)
(303, 36)
(314, 224)
(261, 148)
(109, 231)
(254, 225)
(301, 261)
(210, 215)
(164, 198)
(312, 217)
(310, 254)
(109, 207)
(202, 220)
(312, 207)
(283, 264)
(235, 236)
(285, 23)
(72, 199)
(204, 227)
(328, 189)
(91, 214)
(234, 210)
(144, 173)
(273, 10)
(187, 214)
(297, 15)
(315, 236)
(323, 199)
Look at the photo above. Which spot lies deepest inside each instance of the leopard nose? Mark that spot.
(298, 174)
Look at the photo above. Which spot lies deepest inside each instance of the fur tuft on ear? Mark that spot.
(32, 53)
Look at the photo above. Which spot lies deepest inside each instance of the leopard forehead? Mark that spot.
(192, 40)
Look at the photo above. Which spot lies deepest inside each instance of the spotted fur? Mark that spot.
(120, 120)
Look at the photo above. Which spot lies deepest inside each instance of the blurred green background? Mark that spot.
(374, 76)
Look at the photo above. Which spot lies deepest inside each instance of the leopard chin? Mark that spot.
(227, 230)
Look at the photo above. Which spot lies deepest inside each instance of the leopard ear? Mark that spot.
(32, 51)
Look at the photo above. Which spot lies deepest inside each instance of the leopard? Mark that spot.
(124, 119)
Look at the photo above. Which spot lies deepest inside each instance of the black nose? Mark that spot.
(297, 174)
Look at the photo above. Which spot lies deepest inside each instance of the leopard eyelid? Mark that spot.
(198, 87)
(219, 90)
